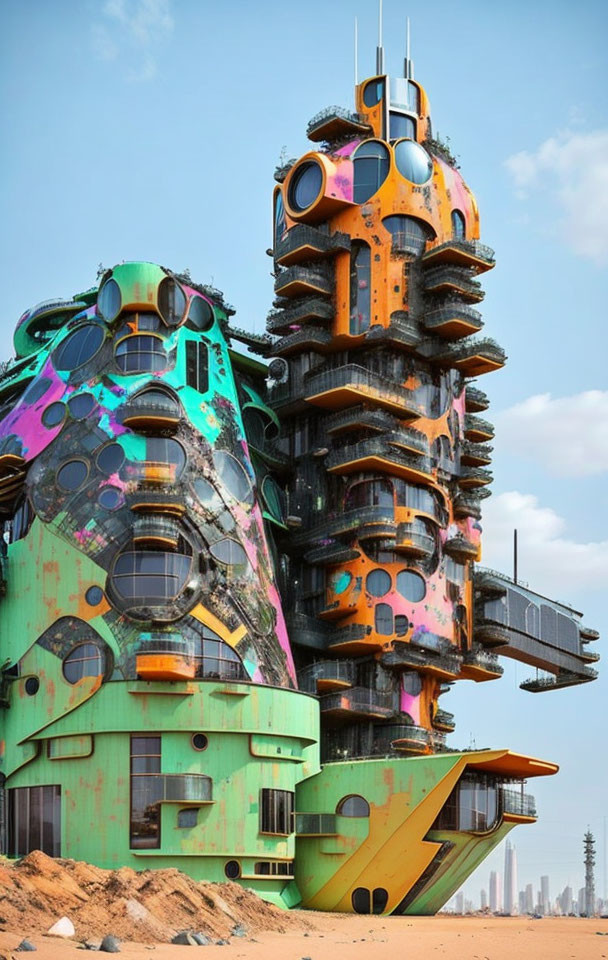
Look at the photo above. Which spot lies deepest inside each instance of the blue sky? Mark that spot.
(149, 129)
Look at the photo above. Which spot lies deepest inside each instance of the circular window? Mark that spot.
(110, 498)
(36, 390)
(80, 347)
(413, 162)
(72, 474)
(171, 301)
(378, 583)
(109, 300)
(199, 741)
(232, 869)
(85, 660)
(233, 476)
(353, 806)
(229, 552)
(200, 314)
(53, 415)
(111, 458)
(305, 186)
(411, 585)
(81, 405)
(94, 596)
(372, 93)
(32, 686)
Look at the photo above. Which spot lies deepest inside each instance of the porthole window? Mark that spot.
(141, 353)
(233, 476)
(53, 415)
(305, 186)
(111, 458)
(353, 806)
(81, 405)
(232, 869)
(413, 162)
(378, 583)
(94, 596)
(373, 92)
(85, 660)
(72, 474)
(36, 390)
(147, 576)
(199, 741)
(371, 165)
(383, 619)
(228, 552)
(171, 301)
(32, 686)
(200, 315)
(411, 585)
(109, 301)
(459, 228)
(110, 498)
(400, 125)
(274, 498)
(361, 900)
(79, 347)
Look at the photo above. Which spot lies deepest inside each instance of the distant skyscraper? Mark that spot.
(483, 900)
(510, 896)
(545, 898)
(460, 903)
(566, 901)
(581, 901)
(529, 899)
(495, 892)
(589, 848)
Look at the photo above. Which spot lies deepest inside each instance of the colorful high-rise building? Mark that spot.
(234, 590)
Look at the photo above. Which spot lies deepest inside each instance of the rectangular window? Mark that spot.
(197, 366)
(146, 793)
(34, 820)
(276, 811)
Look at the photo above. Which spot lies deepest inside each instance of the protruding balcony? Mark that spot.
(303, 243)
(490, 634)
(444, 721)
(461, 549)
(413, 540)
(359, 418)
(453, 280)
(467, 505)
(479, 664)
(443, 665)
(405, 738)
(464, 253)
(153, 501)
(476, 454)
(327, 676)
(334, 123)
(475, 399)
(402, 331)
(352, 384)
(165, 657)
(308, 631)
(377, 454)
(308, 338)
(472, 477)
(563, 679)
(476, 357)
(304, 280)
(330, 554)
(409, 439)
(490, 583)
(353, 639)
(155, 530)
(152, 409)
(358, 701)
(515, 804)
(588, 633)
(453, 320)
(476, 429)
(283, 319)
(357, 521)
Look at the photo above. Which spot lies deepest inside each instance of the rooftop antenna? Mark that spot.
(379, 48)
(356, 52)
(408, 65)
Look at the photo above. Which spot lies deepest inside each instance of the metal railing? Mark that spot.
(331, 553)
(479, 451)
(471, 474)
(403, 330)
(521, 804)
(303, 309)
(409, 438)
(346, 523)
(379, 447)
(307, 336)
(362, 416)
(476, 398)
(334, 112)
(444, 718)
(313, 276)
(371, 386)
(467, 505)
(472, 247)
(484, 659)
(461, 278)
(152, 404)
(413, 540)
(485, 348)
(303, 235)
(408, 655)
(155, 527)
(360, 700)
(405, 242)
(478, 424)
(344, 671)
(455, 310)
(459, 546)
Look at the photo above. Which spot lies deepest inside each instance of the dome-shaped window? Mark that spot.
(373, 92)
(305, 185)
(411, 585)
(353, 806)
(200, 314)
(413, 162)
(79, 347)
(378, 583)
(150, 577)
(233, 476)
(85, 660)
(410, 235)
(459, 227)
(371, 163)
(171, 301)
(140, 354)
(109, 301)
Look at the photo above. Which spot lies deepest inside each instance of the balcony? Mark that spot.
(330, 554)
(166, 657)
(444, 721)
(315, 825)
(563, 679)
(358, 701)
(518, 804)
(588, 633)
(476, 357)
(352, 384)
(453, 320)
(282, 169)
(445, 666)
(409, 439)
(353, 639)
(476, 429)
(326, 676)
(155, 530)
(413, 541)
(308, 631)
(405, 242)
(359, 418)
(153, 501)
(334, 123)
(304, 280)
(461, 549)
(475, 399)
(472, 477)
(355, 522)
(402, 331)
(308, 338)
(378, 454)
(463, 253)
(490, 634)
(304, 243)
(467, 505)
(476, 454)
(151, 410)
(490, 583)
(450, 280)
(479, 664)
(405, 738)
(283, 319)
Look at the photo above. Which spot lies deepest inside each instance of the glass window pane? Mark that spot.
(305, 185)
(79, 347)
(360, 287)
(371, 166)
(378, 583)
(72, 474)
(413, 162)
(401, 126)
(171, 301)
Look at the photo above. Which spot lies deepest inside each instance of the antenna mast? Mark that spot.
(408, 66)
(379, 48)
(356, 52)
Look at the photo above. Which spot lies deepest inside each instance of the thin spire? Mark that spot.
(379, 48)
(408, 63)
(356, 52)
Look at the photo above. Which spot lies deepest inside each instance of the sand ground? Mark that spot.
(346, 937)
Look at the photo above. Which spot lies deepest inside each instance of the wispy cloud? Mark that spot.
(572, 169)
(568, 435)
(552, 562)
(132, 30)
